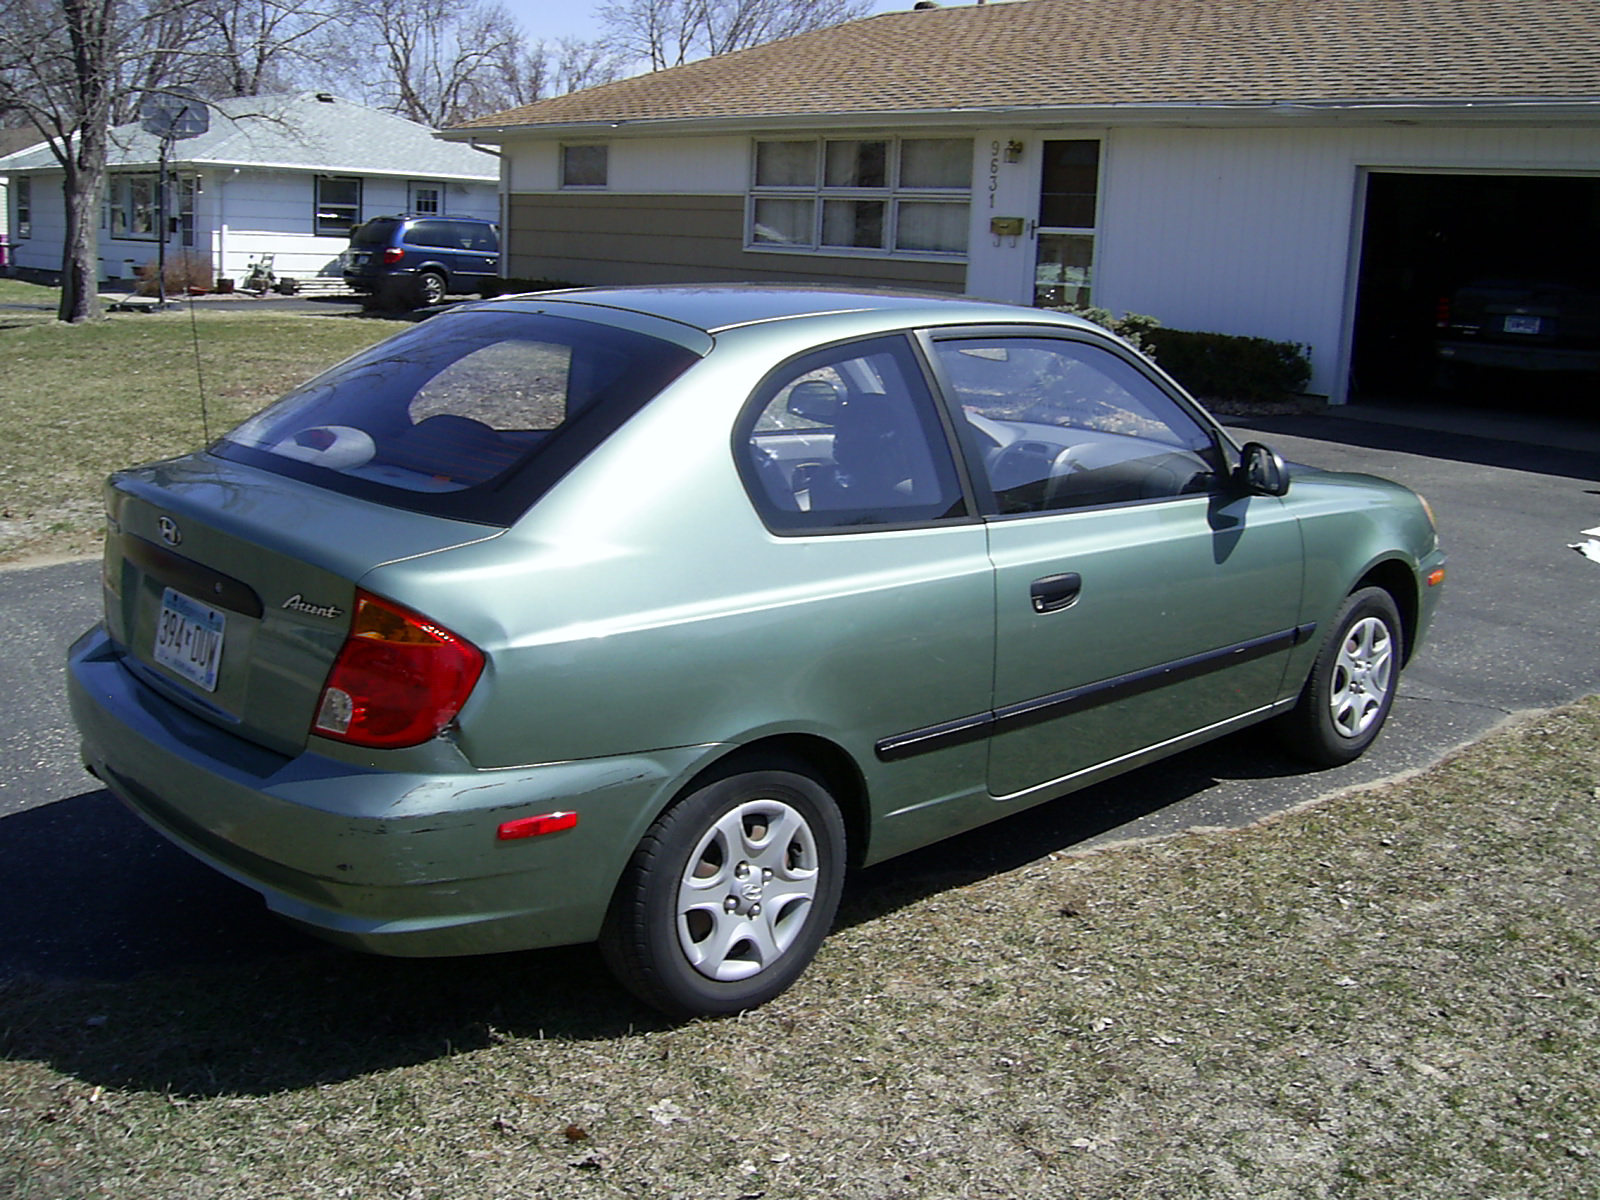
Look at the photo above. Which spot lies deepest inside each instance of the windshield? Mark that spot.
(446, 416)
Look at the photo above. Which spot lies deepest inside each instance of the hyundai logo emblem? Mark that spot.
(170, 533)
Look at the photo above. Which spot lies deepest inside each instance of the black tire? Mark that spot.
(750, 938)
(1347, 696)
(430, 289)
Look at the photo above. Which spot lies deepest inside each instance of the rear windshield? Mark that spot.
(377, 232)
(470, 414)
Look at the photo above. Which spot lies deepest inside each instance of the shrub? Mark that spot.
(1223, 366)
(511, 287)
(185, 272)
(1133, 328)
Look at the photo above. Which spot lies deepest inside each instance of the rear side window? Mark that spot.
(848, 438)
(448, 416)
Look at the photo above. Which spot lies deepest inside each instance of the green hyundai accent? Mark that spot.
(638, 615)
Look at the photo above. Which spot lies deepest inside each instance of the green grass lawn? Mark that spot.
(79, 401)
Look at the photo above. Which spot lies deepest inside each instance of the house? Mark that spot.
(1317, 171)
(284, 175)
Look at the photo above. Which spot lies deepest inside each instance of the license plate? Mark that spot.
(1522, 325)
(189, 639)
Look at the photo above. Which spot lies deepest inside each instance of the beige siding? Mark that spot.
(621, 239)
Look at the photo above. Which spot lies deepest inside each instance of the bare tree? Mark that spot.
(59, 63)
(669, 33)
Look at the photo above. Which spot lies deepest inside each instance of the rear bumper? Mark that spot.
(1519, 358)
(390, 862)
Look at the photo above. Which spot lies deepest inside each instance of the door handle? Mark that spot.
(1055, 592)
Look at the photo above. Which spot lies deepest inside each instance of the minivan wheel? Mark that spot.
(728, 896)
(1347, 697)
(430, 288)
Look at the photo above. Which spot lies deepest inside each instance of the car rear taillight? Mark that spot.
(1441, 313)
(393, 255)
(399, 678)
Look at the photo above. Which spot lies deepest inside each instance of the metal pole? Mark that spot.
(161, 227)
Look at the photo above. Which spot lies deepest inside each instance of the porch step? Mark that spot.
(320, 285)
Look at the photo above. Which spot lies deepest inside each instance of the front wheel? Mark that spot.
(1352, 684)
(729, 895)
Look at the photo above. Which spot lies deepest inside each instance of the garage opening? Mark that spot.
(1481, 290)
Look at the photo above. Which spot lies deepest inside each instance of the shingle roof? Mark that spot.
(298, 131)
(1069, 53)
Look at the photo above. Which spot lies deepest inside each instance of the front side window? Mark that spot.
(883, 196)
(584, 166)
(338, 206)
(22, 185)
(848, 438)
(1058, 424)
(443, 417)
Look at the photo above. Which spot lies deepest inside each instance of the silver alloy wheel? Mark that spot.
(1363, 673)
(431, 286)
(747, 890)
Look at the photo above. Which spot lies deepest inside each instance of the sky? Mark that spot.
(553, 19)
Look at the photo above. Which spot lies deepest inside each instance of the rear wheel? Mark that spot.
(430, 288)
(1348, 695)
(729, 895)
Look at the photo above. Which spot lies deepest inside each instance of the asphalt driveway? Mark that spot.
(91, 893)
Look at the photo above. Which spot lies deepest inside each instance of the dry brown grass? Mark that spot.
(77, 402)
(1392, 993)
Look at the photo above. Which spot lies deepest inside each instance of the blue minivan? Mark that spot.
(412, 261)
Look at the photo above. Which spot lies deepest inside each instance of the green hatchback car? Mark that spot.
(638, 615)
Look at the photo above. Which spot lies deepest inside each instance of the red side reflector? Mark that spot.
(527, 827)
(1436, 577)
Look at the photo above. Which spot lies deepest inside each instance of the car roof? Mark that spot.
(715, 308)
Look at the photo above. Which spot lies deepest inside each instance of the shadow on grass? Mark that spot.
(125, 963)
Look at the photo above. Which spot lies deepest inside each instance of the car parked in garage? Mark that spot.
(1520, 323)
(419, 260)
(638, 615)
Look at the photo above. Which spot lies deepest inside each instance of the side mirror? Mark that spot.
(1261, 471)
(814, 399)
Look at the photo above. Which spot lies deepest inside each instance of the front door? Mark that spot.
(1069, 190)
(1139, 596)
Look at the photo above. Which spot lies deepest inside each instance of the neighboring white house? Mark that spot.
(284, 175)
(1318, 171)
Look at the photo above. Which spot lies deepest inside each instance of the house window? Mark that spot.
(131, 206)
(881, 196)
(583, 166)
(425, 199)
(338, 207)
(1069, 194)
(22, 185)
(188, 189)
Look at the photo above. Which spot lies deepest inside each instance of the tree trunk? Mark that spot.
(80, 250)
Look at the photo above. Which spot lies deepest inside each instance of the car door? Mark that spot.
(1140, 595)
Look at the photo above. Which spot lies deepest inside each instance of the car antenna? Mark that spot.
(199, 374)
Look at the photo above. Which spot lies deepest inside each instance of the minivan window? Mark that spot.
(447, 416)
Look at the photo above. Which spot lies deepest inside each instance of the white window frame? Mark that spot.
(321, 211)
(892, 195)
(123, 209)
(22, 187)
(415, 190)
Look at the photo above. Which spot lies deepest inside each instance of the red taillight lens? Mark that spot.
(1441, 313)
(392, 255)
(399, 678)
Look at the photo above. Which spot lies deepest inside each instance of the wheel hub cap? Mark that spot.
(746, 891)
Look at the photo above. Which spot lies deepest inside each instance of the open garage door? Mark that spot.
(1479, 288)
